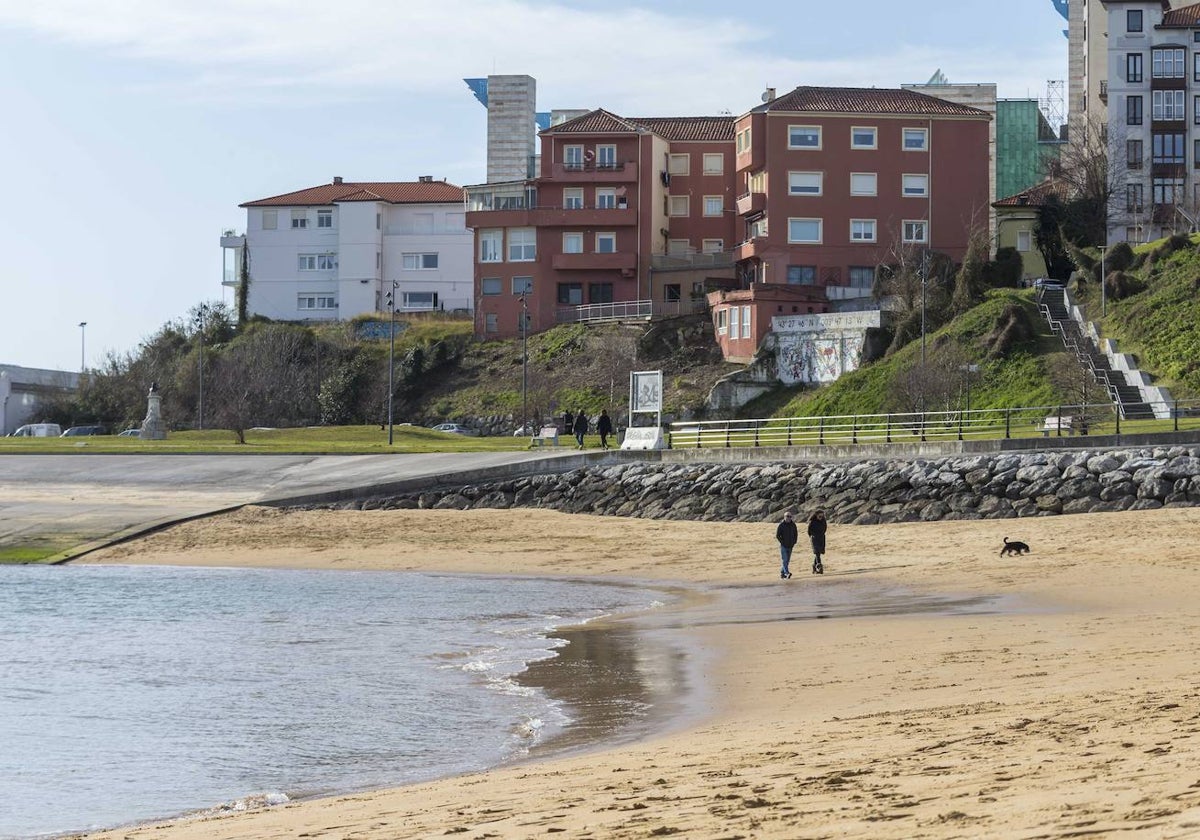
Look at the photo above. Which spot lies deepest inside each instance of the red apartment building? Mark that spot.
(836, 181)
(627, 216)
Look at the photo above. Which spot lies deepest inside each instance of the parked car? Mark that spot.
(131, 433)
(453, 428)
(85, 431)
(38, 430)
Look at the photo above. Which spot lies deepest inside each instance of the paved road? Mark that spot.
(77, 501)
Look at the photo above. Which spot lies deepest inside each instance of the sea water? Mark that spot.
(134, 693)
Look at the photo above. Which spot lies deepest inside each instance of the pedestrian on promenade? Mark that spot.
(785, 534)
(604, 427)
(581, 427)
(568, 423)
(816, 533)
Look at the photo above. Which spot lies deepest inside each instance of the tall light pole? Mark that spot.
(391, 305)
(201, 315)
(968, 370)
(1103, 294)
(82, 346)
(525, 363)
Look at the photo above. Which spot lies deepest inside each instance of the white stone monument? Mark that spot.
(153, 427)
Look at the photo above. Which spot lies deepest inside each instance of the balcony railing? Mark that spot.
(624, 172)
(691, 260)
(751, 202)
(592, 312)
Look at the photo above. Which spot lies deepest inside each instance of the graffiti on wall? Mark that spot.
(820, 348)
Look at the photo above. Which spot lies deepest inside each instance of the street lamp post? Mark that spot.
(968, 370)
(201, 314)
(525, 363)
(391, 304)
(82, 346)
(1103, 293)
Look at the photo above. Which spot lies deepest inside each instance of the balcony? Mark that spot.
(231, 240)
(595, 173)
(691, 261)
(753, 247)
(593, 217)
(594, 262)
(1104, 91)
(751, 203)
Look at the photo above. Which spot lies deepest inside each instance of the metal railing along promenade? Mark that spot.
(912, 427)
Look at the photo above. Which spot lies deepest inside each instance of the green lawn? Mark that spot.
(332, 440)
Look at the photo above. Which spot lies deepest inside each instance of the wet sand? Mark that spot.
(1059, 698)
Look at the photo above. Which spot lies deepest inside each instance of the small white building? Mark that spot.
(333, 251)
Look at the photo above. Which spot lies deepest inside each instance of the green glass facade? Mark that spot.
(1024, 141)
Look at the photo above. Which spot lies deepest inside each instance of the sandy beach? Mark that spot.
(1071, 709)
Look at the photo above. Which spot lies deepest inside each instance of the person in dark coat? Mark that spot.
(785, 533)
(816, 533)
(581, 427)
(568, 423)
(604, 427)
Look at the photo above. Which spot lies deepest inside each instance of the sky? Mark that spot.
(133, 129)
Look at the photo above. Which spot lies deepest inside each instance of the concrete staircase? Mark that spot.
(1121, 386)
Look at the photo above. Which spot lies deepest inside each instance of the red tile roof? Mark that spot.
(669, 128)
(1035, 196)
(391, 192)
(1183, 16)
(867, 101)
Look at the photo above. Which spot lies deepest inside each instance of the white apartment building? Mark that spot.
(1153, 118)
(333, 251)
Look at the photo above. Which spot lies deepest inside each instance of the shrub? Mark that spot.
(1119, 257)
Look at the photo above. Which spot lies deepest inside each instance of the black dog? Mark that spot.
(1014, 548)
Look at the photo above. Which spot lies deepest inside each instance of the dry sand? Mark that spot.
(1078, 715)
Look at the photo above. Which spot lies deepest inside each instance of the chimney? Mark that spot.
(426, 179)
(337, 179)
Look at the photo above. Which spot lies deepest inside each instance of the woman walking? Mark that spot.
(816, 533)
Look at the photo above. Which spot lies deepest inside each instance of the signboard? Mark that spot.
(645, 391)
(643, 437)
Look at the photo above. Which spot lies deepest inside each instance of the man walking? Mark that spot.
(604, 427)
(785, 533)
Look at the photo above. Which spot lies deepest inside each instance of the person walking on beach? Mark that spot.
(816, 533)
(604, 427)
(581, 427)
(568, 423)
(785, 533)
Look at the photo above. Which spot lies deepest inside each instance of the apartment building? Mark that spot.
(626, 217)
(1153, 89)
(333, 251)
(836, 181)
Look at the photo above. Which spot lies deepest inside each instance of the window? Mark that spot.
(804, 137)
(378, 260)
(420, 300)
(1167, 63)
(714, 205)
(570, 294)
(804, 183)
(712, 246)
(804, 230)
(722, 315)
(1168, 148)
(743, 141)
(1133, 198)
(734, 312)
(606, 198)
(600, 292)
(1133, 110)
(1196, 155)
(573, 198)
(420, 262)
(317, 262)
(915, 140)
(1133, 20)
(915, 185)
(679, 164)
(756, 229)
(1024, 240)
(423, 222)
(864, 137)
(862, 276)
(1167, 105)
(522, 244)
(490, 286)
(802, 275)
(862, 230)
(522, 285)
(606, 157)
(317, 301)
(572, 243)
(491, 245)
(270, 220)
(299, 219)
(864, 183)
(1196, 65)
(678, 205)
(1133, 154)
(916, 231)
(324, 218)
(679, 247)
(378, 221)
(606, 243)
(573, 157)
(746, 321)
(756, 182)
(1167, 190)
(1133, 234)
(1133, 67)
(714, 164)
(1196, 110)
(672, 293)
(490, 322)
